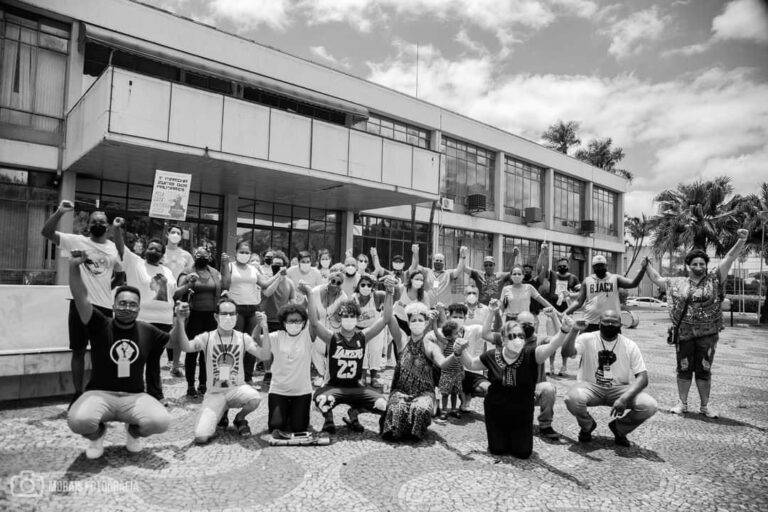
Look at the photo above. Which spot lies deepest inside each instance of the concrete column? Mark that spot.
(548, 205)
(500, 187)
(347, 234)
(74, 79)
(588, 189)
(435, 140)
(498, 251)
(619, 220)
(66, 191)
(229, 224)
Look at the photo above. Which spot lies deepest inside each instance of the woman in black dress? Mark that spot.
(513, 370)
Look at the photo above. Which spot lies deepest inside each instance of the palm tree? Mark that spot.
(756, 221)
(600, 153)
(637, 228)
(697, 215)
(561, 136)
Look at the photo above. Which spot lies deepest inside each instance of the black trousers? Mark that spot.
(289, 413)
(197, 323)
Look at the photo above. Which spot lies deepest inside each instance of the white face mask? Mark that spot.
(227, 322)
(513, 347)
(174, 238)
(351, 270)
(294, 329)
(417, 327)
(243, 257)
(472, 299)
(304, 267)
(417, 284)
(348, 324)
(459, 321)
(398, 265)
(325, 263)
(366, 291)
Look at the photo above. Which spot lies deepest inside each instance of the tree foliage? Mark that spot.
(561, 136)
(603, 154)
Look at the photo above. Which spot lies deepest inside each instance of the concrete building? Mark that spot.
(96, 95)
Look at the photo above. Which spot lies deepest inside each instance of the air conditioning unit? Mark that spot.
(587, 227)
(532, 215)
(446, 203)
(476, 203)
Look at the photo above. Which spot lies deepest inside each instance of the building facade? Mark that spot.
(96, 95)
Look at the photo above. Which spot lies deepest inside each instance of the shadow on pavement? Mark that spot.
(729, 422)
(604, 442)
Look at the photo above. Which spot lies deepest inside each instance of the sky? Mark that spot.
(680, 85)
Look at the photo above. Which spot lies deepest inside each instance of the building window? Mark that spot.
(27, 199)
(611, 257)
(33, 70)
(468, 170)
(131, 201)
(290, 229)
(390, 237)
(569, 200)
(604, 211)
(576, 257)
(524, 186)
(395, 130)
(479, 244)
(529, 252)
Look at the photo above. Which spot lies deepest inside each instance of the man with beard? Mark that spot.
(99, 263)
(612, 373)
(600, 292)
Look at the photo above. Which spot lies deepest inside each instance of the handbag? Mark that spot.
(673, 333)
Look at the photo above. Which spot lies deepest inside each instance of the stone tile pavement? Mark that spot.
(675, 463)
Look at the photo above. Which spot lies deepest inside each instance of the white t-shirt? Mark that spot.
(224, 357)
(290, 367)
(103, 262)
(601, 295)
(178, 260)
(156, 285)
(629, 361)
(518, 299)
(244, 287)
(313, 278)
(477, 345)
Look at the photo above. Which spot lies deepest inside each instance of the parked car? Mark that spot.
(646, 302)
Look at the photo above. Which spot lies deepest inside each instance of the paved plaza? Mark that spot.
(675, 463)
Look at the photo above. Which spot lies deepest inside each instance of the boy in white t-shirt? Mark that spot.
(612, 373)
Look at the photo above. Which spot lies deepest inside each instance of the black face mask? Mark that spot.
(98, 230)
(153, 258)
(268, 260)
(125, 316)
(600, 271)
(562, 269)
(276, 268)
(528, 330)
(201, 262)
(439, 266)
(609, 332)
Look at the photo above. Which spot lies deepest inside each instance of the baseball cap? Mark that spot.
(599, 259)
(489, 259)
(397, 257)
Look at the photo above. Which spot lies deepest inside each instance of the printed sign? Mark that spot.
(170, 195)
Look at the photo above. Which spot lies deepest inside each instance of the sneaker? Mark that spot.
(548, 432)
(95, 448)
(177, 373)
(709, 413)
(680, 408)
(201, 390)
(224, 421)
(619, 439)
(354, 425)
(191, 393)
(443, 416)
(75, 396)
(243, 429)
(561, 373)
(376, 383)
(585, 436)
(132, 444)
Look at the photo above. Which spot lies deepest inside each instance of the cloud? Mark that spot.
(248, 14)
(687, 51)
(323, 53)
(470, 44)
(742, 19)
(672, 130)
(629, 35)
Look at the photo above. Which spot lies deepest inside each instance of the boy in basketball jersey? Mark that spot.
(345, 351)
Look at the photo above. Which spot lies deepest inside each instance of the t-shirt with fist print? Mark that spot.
(156, 285)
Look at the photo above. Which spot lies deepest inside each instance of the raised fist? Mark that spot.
(645, 262)
(374, 253)
(415, 248)
(567, 323)
(66, 206)
(118, 222)
(192, 278)
(459, 346)
(77, 257)
(494, 305)
(743, 234)
(463, 251)
(224, 258)
(440, 306)
(261, 319)
(515, 251)
(304, 287)
(182, 309)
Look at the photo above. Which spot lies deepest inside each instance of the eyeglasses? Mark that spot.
(228, 313)
(514, 335)
(365, 285)
(294, 322)
(130, 306)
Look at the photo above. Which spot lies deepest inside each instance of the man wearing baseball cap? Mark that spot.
(489, 282)
(600, 292)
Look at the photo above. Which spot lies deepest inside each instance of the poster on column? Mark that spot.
(170, 195)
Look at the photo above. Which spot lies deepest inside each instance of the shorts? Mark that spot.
(78, 331)
(695, 356)
(471, 382)
(357, 397)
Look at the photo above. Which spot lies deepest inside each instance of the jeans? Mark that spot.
(544, 397)
(143, 414)
(586, 394)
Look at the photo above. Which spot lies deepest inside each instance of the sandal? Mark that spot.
(355, 424)
(242, 427)
(329, 427)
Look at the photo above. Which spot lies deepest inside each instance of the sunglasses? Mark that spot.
(365, 285)
(515, 335)
(335, 282)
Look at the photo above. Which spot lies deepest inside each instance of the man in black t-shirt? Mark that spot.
(121, 347)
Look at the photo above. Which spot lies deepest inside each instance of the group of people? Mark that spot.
(337, 321)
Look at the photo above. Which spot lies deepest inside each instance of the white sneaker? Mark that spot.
(709, 413)
(95, 448)
(680, 408)
(132, 444)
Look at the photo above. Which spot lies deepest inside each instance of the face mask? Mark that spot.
(125, 316)
(439, 266)
(600, 271)
(417, 284)
(417, 327)
(243, 257)
(294, 329)
(227, 322)
(201, 261)
(268, 260)
(304, 267)
(98, 230)
(516, 279)
(325, 263)
(514, 346)
(527, 274)
(276, 269)
(351, 270)
(562, 269)
(609, 332)
(174, 238)
(528, 330)
(472, 299)
(398, 265)
(348, 324)
(153, 258)
(459, 322)
(365, 291)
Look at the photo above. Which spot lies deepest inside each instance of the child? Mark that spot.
(451, 377)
